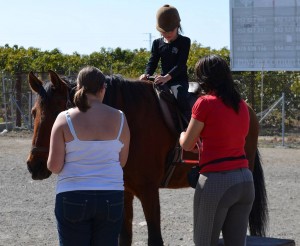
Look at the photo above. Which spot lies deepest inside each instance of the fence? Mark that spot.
(261, 91)
(15, 100)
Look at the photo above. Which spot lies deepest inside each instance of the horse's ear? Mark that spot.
(56, 80)
(35, 83)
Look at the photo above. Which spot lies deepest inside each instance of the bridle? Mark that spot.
(39, 149)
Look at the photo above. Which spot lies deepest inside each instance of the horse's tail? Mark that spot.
(258, 219)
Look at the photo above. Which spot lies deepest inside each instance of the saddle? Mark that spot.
(177, 123)
(174, 118)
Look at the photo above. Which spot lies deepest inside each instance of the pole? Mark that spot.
(262, 90)
(4, 99)
(18, 99)
(150, 41)
(29, 109)
(252, 89)
(283, 119)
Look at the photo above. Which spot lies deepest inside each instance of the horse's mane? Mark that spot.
(120, 91)
(129, 91)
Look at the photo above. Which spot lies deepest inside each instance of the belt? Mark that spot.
(230, 158)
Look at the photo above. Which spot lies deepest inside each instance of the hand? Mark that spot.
(198, 147)
(144, 77)
(161, 80)
(182, 136)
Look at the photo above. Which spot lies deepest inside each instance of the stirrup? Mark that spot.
(198, 150)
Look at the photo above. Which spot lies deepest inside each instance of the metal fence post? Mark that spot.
(283, 119)
(4, 100)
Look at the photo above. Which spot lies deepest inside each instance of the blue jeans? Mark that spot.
(89, 217)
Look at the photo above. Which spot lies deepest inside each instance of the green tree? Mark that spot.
(138, 63)
(74, 62)
(196, 52)
(295, 87)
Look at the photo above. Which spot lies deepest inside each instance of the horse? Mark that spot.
(151, 142)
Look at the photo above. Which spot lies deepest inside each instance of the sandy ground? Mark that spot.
(26, 206)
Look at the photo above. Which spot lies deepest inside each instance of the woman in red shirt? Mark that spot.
(225, 190)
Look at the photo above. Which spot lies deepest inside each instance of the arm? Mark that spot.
(189, 138)
(125, 139)
(56, 158)
(153, 60)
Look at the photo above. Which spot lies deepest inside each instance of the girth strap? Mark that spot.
(174, 158)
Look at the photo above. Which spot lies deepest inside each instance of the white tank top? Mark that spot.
(91, 165)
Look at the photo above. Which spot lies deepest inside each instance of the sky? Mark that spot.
(86, 26)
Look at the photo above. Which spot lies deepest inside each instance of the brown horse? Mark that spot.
(151, 141)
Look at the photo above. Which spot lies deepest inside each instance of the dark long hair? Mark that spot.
(215, 77)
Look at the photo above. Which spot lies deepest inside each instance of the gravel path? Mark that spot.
(26, 206)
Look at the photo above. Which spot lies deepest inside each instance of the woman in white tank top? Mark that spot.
(89, 145)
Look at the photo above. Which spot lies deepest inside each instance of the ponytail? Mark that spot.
(89, 80)
(81, 100)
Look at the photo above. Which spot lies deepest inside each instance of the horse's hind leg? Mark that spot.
(150, 203)
(125, 238)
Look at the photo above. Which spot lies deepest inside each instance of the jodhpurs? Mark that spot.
(180, 91)
(222, 202)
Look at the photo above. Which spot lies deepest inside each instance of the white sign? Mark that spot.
(265, 35)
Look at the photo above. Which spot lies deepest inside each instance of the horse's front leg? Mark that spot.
(125, 238)
(150, 203)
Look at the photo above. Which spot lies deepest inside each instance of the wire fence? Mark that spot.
(276, 104)
(271, 96)
(16, 101)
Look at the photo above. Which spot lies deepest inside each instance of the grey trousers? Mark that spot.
(222, 202)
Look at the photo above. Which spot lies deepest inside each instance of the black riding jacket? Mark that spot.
(173, 58)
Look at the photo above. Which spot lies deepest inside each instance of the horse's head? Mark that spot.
(52, 97)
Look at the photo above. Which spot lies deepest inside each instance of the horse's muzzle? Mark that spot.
(38, 171)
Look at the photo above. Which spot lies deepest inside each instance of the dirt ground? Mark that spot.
(26, 206)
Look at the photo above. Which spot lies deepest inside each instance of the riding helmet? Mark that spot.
(167, 18)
